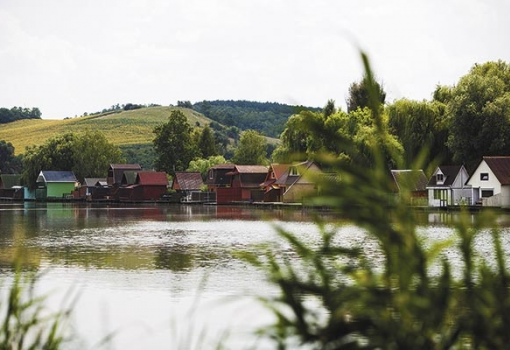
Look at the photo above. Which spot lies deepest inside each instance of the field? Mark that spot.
(125, 128)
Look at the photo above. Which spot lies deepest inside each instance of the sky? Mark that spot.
(68, 57)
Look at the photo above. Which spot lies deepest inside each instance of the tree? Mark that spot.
(359, 94)
(251, 149)
(87, 155)
(207, 143)
(203, 165)
(173, 144)
(420, 126)
(329, 108)
(9, 163)
(479, 113)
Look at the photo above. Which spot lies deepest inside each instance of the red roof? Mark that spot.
(151, 178)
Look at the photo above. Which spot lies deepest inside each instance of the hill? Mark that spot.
(131, 130)
(123, 128)
(268, 118)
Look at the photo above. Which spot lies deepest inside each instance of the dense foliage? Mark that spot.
(268, 118)
(251, 149)
(87, 155)
(9, 163)
(173, 144)
(395, 290)
(479, 113)
(18, 113)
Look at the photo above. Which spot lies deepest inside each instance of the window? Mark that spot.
(293, 171)
(484, 176)
(439, 178)
(487, 193)
(440, 194)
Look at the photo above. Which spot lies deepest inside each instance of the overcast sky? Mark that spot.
(67, 57)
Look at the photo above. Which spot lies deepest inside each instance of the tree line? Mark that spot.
(18, 113)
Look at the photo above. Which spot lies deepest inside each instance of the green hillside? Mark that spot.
(123, 128)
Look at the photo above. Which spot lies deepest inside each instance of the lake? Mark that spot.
(164, 276)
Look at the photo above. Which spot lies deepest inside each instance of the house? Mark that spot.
(93, 187)
(413, 181)
(490, 182)
(190, 185)
(116, 171)
(10, 186)
(297, 183)
(447, 186)
(217, 176)
(147, 186)
(273, 192)
(55, 184)
(244, 185)
(187, 181)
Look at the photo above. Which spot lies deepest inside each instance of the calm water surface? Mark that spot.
(163, 277)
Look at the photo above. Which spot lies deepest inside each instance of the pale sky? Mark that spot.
(67, 57)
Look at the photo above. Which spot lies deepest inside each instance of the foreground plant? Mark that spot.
(25, 323)
(337, 297)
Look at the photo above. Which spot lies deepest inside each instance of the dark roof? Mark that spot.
(188, 180)
(224, 166)
(450, 173)
(56, 176)
(126, 166)
(92, 181)
(500, 166)
(9, 180)
(129, 177)
(251, 169)
(152, 178)
(413, 180)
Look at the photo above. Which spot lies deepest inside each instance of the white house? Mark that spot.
(491, 182)
(447, 186)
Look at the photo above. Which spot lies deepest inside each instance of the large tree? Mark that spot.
(173, 144)
(207, 143)
(359, 94)
(479, 113)
(9, 163)
(87, 155)
(420, 126)
(251, 149)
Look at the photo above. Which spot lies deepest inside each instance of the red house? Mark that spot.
(217, 176)
(272, 191)
(148, 186)
(244, 186)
